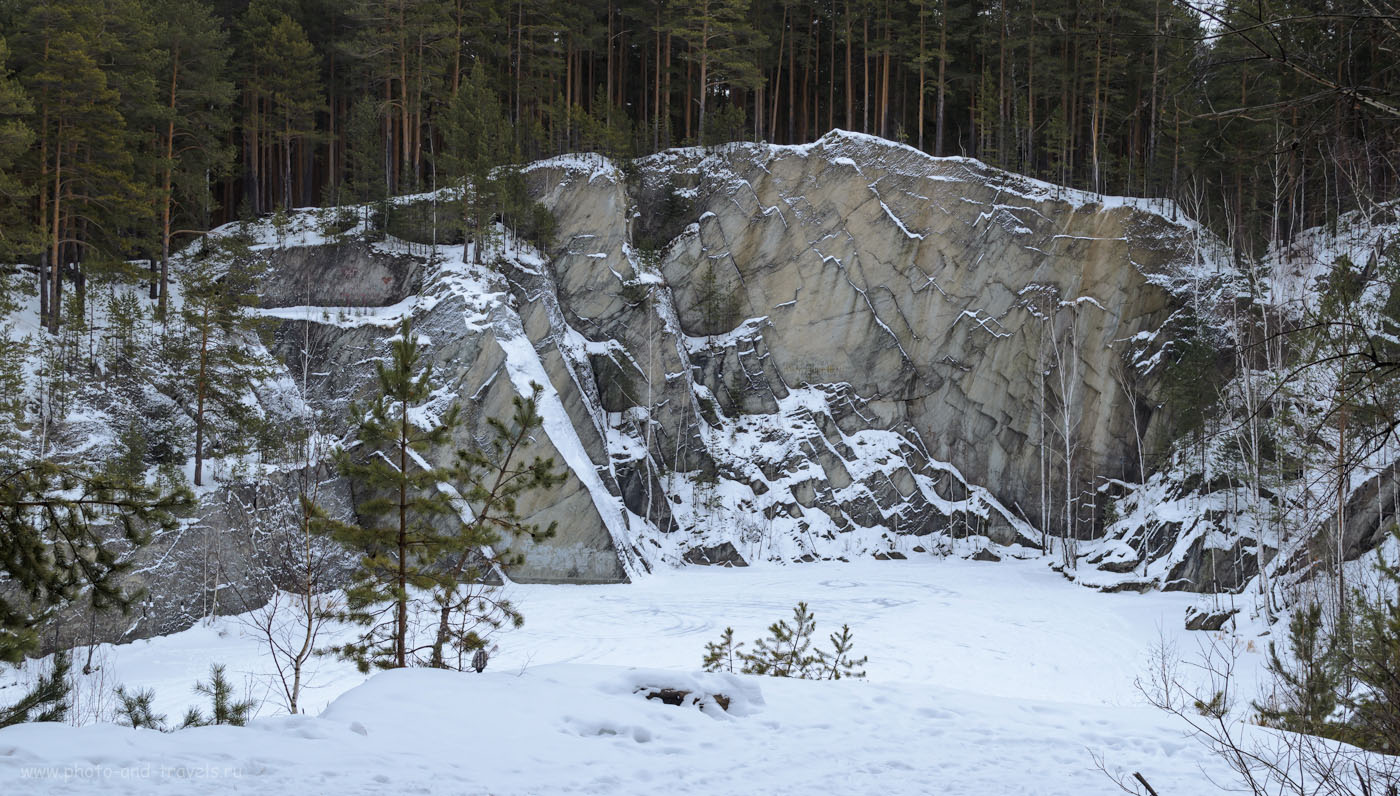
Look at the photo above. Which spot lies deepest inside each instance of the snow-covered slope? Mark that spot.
(1249, 502)
(983, 679)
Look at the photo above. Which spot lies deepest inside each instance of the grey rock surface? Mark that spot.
(798, 352)
(747, 353)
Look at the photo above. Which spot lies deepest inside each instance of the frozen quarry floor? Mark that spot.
(984, 678)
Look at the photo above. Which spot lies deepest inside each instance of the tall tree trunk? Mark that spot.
(1151, 158)
(831, 76)
(43, 190)
(56, 276)
(656, 88)
(1094, 110)
(401, 582)
(884, 130)
(1030, 95)
(167, 199)
(417, 115)
(923, 55)
(458, 11)
(792, 85)
(405, 128)
(1341, 516)
(865, 74)
(568, 95)
(938, 110)
(704, 77)
(251, 184)
(850, 82)
(332, 171)
(806, 85)
(287, 195)
(1002, 90)
(519, 56)
(201, 387)
(778, 77)
(609, 78)
(666, 92)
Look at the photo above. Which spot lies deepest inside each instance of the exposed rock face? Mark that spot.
(242, 543)
(751, 353)
(929, 289)
(461, 318)
(794, 352)
(345, 275)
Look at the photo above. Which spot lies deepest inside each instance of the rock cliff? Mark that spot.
(848, 348)
(747, 353)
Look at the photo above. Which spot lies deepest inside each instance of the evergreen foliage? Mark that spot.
(720, 656)
(1374, 661)
(129, 124)
(489, 481)
(1339, 681)
(787, 651)
(135, 709)
(1190, 388)
(1306, 679)
(46, 701)
(223, 708)
(838, 663)
(398, 540)
(723, 45)
(194, 122)
(218, 289)
(12, 395)
(17, 235)
(443, 531)
(64, 533)
(718, 307)
(477, 141)
(279, 103)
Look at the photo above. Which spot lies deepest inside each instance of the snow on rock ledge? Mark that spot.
(798, 352)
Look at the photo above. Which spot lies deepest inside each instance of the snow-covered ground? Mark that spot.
(984, 678)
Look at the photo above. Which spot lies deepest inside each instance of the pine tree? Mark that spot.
(194, 123)
(723, 46)
(14, 394)
(399, 550)
(1306, 680)
(721, 655)
(786, 652)
(292, 100)
(135, 709)
(46, 701)
(489, 482)
(838, 663)
(54, 547)
(85, 169)
(17, 234)
(404, 47)
(364, 155)
(1374, 660)
(223, 708)
(476, 143)
(280, 102)
(219, 286)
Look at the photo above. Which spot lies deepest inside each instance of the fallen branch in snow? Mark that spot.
(677, 696)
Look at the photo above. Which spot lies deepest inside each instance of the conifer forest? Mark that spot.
(130, 125)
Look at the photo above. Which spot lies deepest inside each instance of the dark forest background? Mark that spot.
(127, 126)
